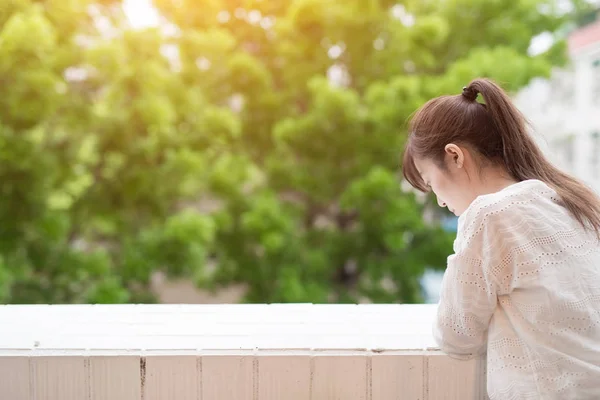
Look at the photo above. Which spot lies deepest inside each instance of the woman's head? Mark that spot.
(457, 179)
(460, 148)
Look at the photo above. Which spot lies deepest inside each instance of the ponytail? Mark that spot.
(524, 160)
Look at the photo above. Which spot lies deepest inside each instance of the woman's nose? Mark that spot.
(441, 203)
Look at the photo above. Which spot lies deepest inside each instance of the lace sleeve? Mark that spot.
(467, 302)
(468, 295)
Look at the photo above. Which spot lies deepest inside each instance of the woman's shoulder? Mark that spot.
(509, 198)
(507, 207)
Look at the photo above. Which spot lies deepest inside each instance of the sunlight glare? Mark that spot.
(140, 13)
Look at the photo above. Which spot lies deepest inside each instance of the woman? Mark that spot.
(523, 284)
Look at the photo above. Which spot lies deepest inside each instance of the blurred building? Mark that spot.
(431, 281)
(565, 109)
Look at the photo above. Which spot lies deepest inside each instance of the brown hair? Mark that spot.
(497, 131)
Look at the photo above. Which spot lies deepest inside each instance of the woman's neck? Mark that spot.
(494, 180)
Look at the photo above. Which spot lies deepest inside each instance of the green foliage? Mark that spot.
(220, 151)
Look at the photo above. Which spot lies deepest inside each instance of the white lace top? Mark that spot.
(524, 286)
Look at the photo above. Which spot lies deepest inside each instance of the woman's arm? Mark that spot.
(467, 303)
(469, 293)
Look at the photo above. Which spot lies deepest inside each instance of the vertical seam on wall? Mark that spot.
(311, 376)
(87, 365)
(369, 376)
(143, 377)
(483, 374)
(32, 391)
(255, 374)
(425, 377)
(199, 381)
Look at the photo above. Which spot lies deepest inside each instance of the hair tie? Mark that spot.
(470, 93)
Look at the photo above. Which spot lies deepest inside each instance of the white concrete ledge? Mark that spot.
(216, 327)
(227, 352)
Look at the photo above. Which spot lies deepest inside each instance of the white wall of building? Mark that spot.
(565, 109)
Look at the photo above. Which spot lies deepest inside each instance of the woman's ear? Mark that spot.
(455, 155)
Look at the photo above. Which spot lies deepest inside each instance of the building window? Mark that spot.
(565, 150)
(569, 149)
(595, 155)
(596, 81)
(561, 87)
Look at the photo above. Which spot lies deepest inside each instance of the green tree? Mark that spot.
(261, 136)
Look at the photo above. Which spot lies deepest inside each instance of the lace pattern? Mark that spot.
(523, 286)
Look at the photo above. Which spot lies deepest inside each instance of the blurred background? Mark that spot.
(207, 151)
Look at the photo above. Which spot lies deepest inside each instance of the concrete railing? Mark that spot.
(228, 352)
